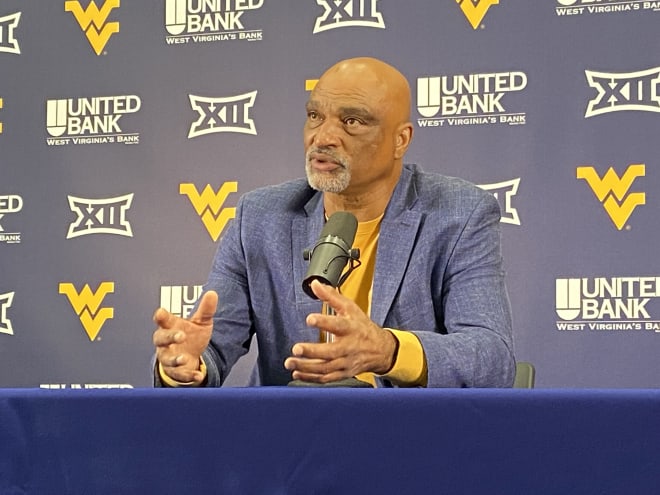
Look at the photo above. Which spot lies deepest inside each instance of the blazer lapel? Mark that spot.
(395, 246)
(305, 231)
(396, 240)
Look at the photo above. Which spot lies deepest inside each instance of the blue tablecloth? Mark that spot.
(343, 441)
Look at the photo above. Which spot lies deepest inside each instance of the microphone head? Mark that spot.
(342, 224)
(331, 252)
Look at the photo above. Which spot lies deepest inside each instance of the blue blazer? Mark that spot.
(438, 274)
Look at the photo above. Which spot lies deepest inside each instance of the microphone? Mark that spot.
(328, 257)
(327, 260)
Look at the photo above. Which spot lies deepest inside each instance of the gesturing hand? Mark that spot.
(180, 343)
(359, 344)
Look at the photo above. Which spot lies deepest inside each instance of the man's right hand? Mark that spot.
(180, 343)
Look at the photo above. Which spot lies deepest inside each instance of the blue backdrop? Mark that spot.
(129, 129)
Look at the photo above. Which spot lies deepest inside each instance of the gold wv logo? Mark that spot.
(93, 21)
(475, 10)
(612, 191)
(87, 304)
(208, 205)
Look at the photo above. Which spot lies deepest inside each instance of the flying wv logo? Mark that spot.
(475, 10)
(87, 304)
(208, 206)
(612, 191)
(93, 21)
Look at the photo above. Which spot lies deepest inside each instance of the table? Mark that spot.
(344, 441)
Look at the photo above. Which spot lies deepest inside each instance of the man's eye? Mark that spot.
(352, 121)
(312, 115)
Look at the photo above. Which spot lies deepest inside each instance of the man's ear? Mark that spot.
(403, 138)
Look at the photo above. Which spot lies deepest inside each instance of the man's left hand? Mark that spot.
(359, 345)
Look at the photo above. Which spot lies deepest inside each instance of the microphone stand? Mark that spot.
(326, 337)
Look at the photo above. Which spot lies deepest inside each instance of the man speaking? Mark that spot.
(426, 306)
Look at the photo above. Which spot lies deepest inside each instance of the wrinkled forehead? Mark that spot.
(337, 91)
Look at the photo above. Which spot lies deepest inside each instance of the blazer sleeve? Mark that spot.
(475, 348)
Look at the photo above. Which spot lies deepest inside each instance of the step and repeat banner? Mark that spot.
(129, 129)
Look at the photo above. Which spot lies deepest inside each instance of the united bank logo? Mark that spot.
(209, 205)
(348, 13)
(617, 92)
(226, 114)
(9, 203)
(472, 99)
(87, 305)
(94, 21)
(505, 192)
(203, 21)
(100, 216)
(475, 10)
(8, 41)
(96, 120)
(5, 304)
(595, 7)
(607, 303)
(614, 191)
(179, 299)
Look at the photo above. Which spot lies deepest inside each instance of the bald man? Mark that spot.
(427, 306)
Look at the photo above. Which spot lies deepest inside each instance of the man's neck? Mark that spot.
(362, 209)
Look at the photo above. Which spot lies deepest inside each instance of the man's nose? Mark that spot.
(327, 134)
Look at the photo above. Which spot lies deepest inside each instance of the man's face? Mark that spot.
(349, 137)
